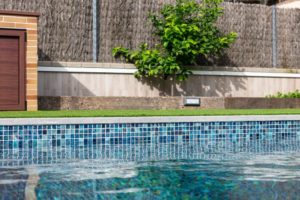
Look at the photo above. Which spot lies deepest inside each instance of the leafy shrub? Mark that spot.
(186, 30)
(295, 94)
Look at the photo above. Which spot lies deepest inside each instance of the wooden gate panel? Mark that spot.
(12, 70)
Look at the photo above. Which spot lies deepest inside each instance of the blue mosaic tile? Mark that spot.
(87, 135)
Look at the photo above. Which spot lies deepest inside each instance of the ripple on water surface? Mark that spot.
(159, 172)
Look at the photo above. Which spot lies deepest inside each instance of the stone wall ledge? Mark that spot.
(144, 103)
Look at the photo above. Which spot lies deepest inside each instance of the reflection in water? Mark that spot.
(164, 171)
(200, 150)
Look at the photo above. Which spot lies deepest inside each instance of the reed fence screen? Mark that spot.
(65, 30)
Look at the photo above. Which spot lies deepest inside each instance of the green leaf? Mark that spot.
(185, 30)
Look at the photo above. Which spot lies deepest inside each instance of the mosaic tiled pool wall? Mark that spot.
(42, 143)
(83, 135)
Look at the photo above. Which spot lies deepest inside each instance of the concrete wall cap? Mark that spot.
(110, 120)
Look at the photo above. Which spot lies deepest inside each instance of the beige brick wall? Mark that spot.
(30, 24)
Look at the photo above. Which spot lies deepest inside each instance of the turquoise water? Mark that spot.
(258, 171)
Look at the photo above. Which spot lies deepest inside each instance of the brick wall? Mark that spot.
(27, 21)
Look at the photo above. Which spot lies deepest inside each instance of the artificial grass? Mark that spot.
(146, 113)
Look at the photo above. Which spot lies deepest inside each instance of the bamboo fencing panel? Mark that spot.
(65, 27)
(65, 30)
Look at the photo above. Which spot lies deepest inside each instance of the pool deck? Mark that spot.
(111, 120)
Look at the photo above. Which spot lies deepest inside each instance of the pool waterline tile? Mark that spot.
(217, 136)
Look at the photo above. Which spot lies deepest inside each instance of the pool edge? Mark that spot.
(110, 120)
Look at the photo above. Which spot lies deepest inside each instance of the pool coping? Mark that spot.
(111, 120)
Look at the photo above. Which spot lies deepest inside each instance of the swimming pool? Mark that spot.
(185, 158)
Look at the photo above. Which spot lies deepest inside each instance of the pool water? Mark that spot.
(163, 171)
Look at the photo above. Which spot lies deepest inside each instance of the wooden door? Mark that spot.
(12, 69)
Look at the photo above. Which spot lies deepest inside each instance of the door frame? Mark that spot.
(21, 34)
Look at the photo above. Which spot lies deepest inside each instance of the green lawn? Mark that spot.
(137, 113)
